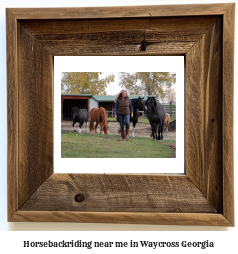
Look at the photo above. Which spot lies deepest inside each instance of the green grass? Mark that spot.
(75, 145)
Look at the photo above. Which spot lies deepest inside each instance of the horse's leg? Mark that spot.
(156, 136)
(73, 126)
(151, 124)
(161, 130)
(80, 125)
(101, 128)
(86, 125)
(154, 131)
(96, 125)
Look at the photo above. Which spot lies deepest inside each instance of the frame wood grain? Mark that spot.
(204, 34)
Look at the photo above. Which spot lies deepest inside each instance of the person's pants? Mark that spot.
(124, 120)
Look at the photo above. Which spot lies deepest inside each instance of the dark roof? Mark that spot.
(79, 95)
(112, 98)
(102, 98)
(71, 94)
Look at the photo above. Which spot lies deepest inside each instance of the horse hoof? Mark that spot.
(74, 130)
(154, 139)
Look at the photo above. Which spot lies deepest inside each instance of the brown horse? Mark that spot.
(166, 122)
(99, 116)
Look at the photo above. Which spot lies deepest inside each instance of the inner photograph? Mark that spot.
(120, 112)
(143, 110)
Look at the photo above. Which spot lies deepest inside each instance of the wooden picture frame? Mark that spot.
(204, 34)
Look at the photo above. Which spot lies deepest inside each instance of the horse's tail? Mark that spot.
(91, 126)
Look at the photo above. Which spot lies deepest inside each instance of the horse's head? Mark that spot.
(140, 104)
(74, 111)
(151, 104)
(105, 127)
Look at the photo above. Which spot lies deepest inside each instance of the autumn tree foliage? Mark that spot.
(170, 94)
(85, 83)
(147, 83)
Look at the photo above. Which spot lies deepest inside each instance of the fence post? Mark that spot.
(170, 107)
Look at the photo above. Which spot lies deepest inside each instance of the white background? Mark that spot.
(224, 241)
(119, 64)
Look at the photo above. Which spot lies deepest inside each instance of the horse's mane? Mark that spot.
(135, 102)
(103, 112)
(74, 110)
(154, 105)
(104, 118)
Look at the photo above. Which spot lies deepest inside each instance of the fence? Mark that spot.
(170, 108)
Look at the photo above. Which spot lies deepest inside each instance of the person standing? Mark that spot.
(123, 110)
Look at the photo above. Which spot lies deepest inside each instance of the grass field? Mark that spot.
(75, 145)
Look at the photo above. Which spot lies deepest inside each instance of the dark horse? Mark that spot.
(156, 114)
(80, 116)
(138, 104)
(99, 116)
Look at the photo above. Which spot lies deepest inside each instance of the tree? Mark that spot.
(147, 83)
(85, 83)
(170, 94)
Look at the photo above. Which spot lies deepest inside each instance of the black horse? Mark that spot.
(138, 104)
(80, 116)
(156, 114)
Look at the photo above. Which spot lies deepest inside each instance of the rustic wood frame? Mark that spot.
(202, 33)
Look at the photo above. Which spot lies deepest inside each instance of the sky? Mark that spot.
(113, 88)
(116, 64)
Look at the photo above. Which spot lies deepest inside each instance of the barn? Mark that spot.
(68, 101)
(88, 101)
(106, 102)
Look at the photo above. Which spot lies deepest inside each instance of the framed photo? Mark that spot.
(203, 34)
